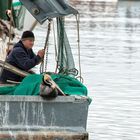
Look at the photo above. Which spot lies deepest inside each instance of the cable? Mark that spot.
(46, 48)
(78, 43)
(55, 45)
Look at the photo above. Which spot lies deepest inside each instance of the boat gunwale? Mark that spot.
(29, 98)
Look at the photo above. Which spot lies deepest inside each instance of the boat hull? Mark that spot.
(36, 117)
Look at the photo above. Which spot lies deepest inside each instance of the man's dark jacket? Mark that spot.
(21, 58)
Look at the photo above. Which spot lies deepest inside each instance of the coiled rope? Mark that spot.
(79, 53)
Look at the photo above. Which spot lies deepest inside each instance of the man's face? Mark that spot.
(28, 43)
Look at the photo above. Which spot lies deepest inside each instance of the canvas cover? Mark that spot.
(31, 86)
(45, 9)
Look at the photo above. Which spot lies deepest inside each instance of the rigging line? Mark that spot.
(46, 48)
(56, 55)
(59, 40)
(78, 43)
(46, 44)
(54, 41)
(8, 40)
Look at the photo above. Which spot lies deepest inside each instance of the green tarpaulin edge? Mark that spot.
(31, 86)
(14, 4)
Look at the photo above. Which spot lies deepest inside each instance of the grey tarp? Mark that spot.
(44, 9)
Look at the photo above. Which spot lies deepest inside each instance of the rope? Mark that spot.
(61, 41)
(54, 41)
(60, 37)
(78, 43)
(55, 46)
(46, 49)
(8, 40)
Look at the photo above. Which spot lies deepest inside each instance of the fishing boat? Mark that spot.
(25, 111)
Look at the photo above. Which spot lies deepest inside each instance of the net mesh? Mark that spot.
(65, 59)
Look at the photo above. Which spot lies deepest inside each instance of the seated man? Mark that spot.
(22, 57)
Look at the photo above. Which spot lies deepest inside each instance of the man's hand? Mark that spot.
(41, 53)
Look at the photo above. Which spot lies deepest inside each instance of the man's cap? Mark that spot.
(27, 35)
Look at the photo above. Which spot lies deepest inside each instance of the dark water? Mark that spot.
(110, 56)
